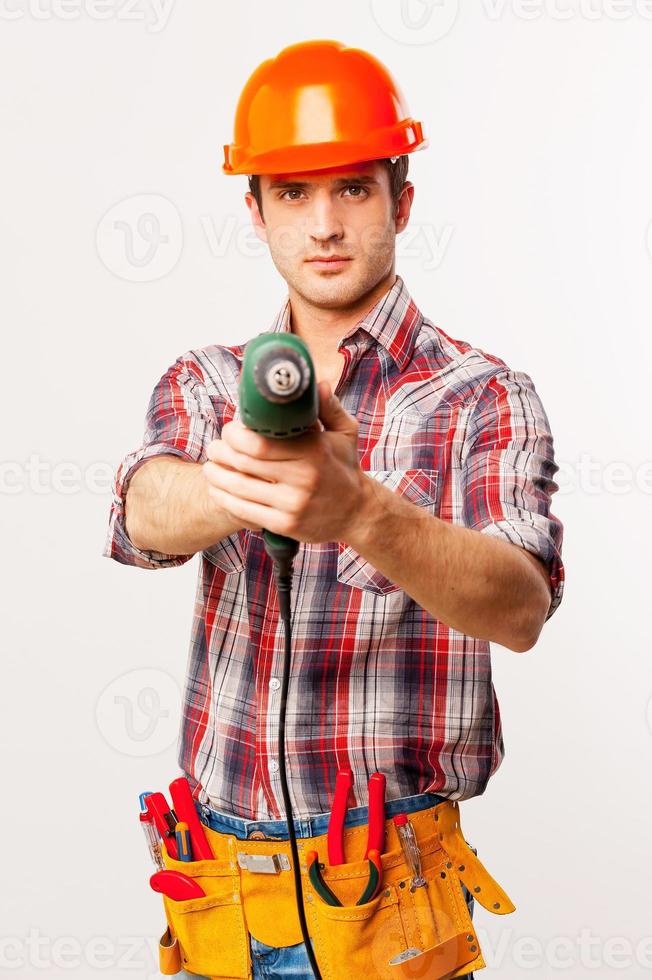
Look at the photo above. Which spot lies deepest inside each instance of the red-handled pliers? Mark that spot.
(322, 889)
(343, 785)
(335, 839)
(376, 832)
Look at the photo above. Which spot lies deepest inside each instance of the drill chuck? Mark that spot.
(278, 391)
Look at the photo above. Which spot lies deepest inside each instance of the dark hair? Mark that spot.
(397, 173)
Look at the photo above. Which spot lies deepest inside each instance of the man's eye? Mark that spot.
(358, 189)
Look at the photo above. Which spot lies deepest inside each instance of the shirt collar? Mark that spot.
(393, 322)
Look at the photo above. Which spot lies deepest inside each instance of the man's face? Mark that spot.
(317, 215)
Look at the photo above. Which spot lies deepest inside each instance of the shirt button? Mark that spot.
(273, 765)
(275, 683)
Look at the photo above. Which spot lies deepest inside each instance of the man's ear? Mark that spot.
(256, 217)
(403, 207)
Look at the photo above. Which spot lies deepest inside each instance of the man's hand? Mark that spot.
(308, 488)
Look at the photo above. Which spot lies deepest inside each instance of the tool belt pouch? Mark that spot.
(425, 932)
(208, 934)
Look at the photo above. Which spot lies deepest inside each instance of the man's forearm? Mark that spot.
(169, 509)
(478, 585)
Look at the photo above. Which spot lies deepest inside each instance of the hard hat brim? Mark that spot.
(406, 138)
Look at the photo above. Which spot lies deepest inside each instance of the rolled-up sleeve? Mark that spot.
(181, 420)
(508, 467)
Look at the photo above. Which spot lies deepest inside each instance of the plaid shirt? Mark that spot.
(377, 683)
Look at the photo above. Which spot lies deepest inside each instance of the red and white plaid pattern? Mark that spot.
(377, 683)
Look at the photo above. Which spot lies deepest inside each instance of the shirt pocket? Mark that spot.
(420, 487)
(230, 553)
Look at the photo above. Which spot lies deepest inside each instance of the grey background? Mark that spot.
(530, 237)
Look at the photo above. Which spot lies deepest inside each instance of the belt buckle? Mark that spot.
(266, 864)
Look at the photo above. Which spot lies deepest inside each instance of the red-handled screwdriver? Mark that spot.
(184, 807)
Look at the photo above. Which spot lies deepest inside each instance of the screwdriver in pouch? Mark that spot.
(410, 848)
(184, 847)
(151, 833)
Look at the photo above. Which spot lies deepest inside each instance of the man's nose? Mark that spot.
(325, 221)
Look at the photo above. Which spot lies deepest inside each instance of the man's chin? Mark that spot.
(330, 290)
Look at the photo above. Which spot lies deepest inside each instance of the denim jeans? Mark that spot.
(271, 962)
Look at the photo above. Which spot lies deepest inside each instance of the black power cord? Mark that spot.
(283, 576)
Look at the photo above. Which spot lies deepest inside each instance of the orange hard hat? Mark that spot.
(319, 104)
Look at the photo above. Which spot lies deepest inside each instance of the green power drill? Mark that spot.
(279, 398)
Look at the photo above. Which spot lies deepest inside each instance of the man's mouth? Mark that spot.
(329, 261)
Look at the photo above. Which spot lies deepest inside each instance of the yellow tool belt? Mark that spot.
(250, 888)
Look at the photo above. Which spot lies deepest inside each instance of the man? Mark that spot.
(422, 498)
